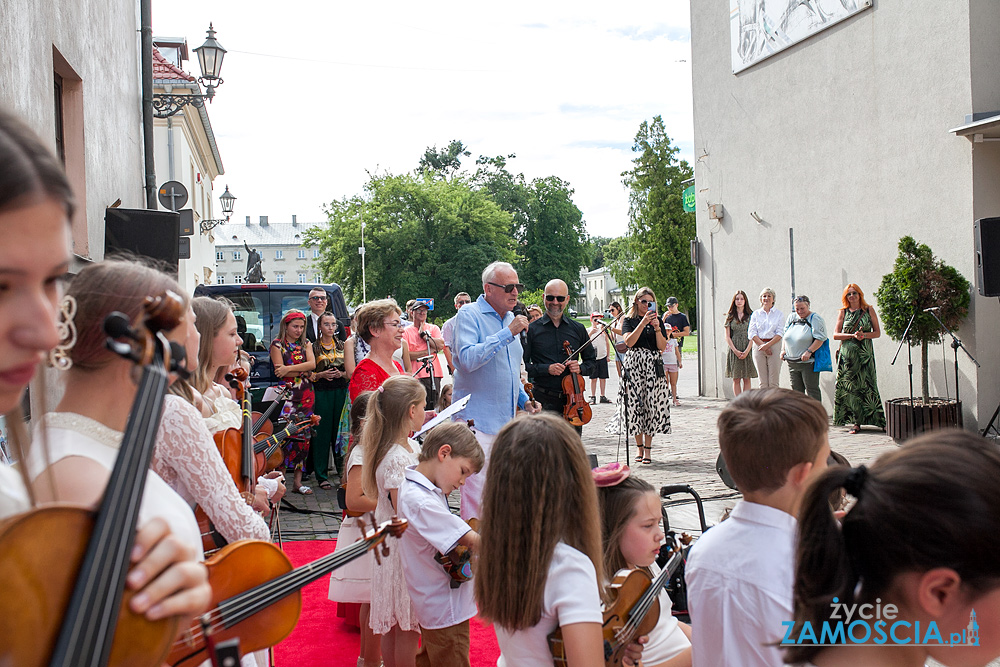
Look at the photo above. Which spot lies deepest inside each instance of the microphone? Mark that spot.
(927, 310)
(518, 311)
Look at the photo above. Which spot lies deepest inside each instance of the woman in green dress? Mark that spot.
(857, 400)
(739, 363)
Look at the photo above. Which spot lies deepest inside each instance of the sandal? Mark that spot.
(677, 402)
(647, 461)
(638, 459)
(325, 485)
(855, 430)
(304, 490)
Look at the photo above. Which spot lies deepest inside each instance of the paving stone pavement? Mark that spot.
(685, 456)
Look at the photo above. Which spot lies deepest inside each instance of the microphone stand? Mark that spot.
(955, 344)
(909, 356)
(625, 379)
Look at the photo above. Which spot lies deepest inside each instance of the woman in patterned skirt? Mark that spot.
(643, 398)
(739, 363)
(857, 400)
(293, 359)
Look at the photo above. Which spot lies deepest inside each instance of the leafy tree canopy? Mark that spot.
(445, 162)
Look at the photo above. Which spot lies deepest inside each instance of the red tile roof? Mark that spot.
(164, 69)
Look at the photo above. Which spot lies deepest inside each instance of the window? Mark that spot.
(279, 254)
(279, 277)
(302, 254)
(220, 256)
(221, 280)
(237, 279)
(237, 255)
(315, 253)
(317, 278)
(302, 277)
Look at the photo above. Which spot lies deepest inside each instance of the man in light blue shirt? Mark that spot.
(487, 355)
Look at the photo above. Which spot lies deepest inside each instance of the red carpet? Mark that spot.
(321, 639)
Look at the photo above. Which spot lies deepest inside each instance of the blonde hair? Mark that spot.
(385, 423)
(210, 317)
(463, 443)
(372, 316)
(634, 311)
(538, 492)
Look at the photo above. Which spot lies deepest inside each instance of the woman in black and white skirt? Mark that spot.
(643, 398)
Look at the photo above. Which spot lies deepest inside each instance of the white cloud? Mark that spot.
(340, 88)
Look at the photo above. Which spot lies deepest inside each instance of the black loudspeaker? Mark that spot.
(144, 232)
(987, 232)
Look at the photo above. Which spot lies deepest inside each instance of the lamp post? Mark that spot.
(228, 202)
(210, 56)
(361, 251)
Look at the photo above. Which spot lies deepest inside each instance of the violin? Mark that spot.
(261, 421)
(577, 409)
(65, 599)
(267, 448)
(458, 562)
(256, 593)
(634, 612)
(527, 389)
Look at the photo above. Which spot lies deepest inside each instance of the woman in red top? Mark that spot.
(380, 328)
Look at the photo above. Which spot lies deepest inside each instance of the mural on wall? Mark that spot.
(761, 28)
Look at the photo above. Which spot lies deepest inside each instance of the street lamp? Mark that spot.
(228, 202)
(210, 56)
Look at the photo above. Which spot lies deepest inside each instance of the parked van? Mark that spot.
(258, 310)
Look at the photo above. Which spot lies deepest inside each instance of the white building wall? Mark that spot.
(100, 41)
(844, 138)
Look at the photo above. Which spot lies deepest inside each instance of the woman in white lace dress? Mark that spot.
(395, 410)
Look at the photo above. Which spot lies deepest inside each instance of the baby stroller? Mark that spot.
(676, 586)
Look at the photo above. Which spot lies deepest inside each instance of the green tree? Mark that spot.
(595, 251)
(424, 236)
(554, 242)
(446, 161)
(659, 230)
(919, 281)
(620, 259)
(511, 192)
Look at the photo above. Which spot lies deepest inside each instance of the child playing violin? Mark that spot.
(632, 533)
(450, 453)
(540, 566)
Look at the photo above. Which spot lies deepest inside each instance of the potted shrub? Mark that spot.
(920, 281)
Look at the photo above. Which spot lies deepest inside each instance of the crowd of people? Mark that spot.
(763, 338)
(550, 532)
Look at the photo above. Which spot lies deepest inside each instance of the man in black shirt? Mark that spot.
(676, 320)
(544, 355)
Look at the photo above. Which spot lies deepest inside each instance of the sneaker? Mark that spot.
(605, 399)
(593, 400)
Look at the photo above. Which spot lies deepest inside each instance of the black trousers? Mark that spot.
(553, 403)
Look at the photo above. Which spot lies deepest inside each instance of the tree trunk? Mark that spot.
(924, 386)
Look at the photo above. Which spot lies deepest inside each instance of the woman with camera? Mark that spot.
(643, 400)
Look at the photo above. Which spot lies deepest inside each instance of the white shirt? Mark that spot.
(766, 324)
(740, 577)
(666, 639)
(571, 596)
(433, 528)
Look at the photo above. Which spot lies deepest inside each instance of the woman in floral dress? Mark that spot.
(856, 399)
(293, 359)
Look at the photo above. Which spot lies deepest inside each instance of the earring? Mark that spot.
(59, 356)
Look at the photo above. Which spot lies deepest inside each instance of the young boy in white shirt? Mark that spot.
(740, 574)
(450, 453)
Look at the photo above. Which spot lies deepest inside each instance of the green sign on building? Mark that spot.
(689, 199)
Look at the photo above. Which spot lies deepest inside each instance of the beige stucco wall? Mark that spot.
(844, 137)
(100, 41)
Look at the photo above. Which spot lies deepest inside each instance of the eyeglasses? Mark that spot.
(553, 297)
(509, 287)
(317, 298)
(395, 323)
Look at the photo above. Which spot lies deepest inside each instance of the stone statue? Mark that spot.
(255, 274)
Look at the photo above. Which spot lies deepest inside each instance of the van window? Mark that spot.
(296, 300)
(250, 309)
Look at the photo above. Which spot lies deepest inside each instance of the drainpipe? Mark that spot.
(170, 148)
(146, 21)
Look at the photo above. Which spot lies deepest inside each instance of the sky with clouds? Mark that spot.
(317, 94)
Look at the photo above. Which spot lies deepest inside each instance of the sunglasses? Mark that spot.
(553, 297)
(853, 294)
(464, 303)
(646, 303)
(509, 287)
(317, 298)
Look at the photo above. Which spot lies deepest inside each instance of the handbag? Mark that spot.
(821, 358)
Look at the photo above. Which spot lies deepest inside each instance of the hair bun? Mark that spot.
(610, 474)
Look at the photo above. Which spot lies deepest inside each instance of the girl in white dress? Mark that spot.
(395, 409)
(631, 531)
(352, 583)
(540, 564)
